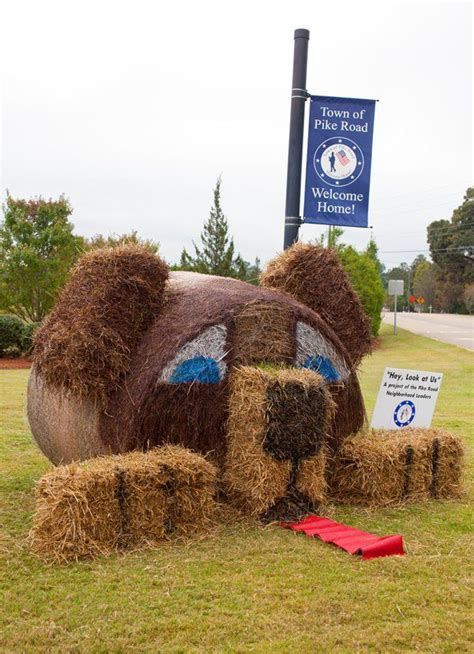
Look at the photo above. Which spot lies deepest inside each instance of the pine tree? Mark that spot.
(253, 272)
(215, 256)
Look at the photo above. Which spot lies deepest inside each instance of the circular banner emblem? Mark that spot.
(338, 161)
(404, 413)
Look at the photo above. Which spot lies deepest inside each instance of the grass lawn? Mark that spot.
(248, 589)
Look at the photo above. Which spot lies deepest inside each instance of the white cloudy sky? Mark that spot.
(132, 109)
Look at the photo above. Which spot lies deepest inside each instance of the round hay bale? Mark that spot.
(65, 428)
(118, 368)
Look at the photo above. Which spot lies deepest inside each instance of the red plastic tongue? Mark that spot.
(352, 540)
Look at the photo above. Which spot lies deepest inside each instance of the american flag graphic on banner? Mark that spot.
(341, 155)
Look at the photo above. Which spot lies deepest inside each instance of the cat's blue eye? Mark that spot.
(200, 369)
(317, 353)
(201, 360)
(323, 366)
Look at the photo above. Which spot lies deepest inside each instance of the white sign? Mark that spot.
(407, 398)
(395, 286)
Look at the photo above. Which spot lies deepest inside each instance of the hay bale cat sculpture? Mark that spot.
(262, 380)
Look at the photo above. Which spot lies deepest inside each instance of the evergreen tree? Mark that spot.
(215, 256)
(254, 271)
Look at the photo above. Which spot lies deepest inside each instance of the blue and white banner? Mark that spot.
(338, 161)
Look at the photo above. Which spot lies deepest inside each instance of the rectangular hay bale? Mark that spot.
(386, 467)
(119, 502)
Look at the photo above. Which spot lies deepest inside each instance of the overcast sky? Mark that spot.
(132, 110)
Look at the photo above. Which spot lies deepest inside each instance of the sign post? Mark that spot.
(339, 155)
(299, 96)
(395, 288)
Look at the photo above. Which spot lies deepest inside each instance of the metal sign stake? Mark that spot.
(395, 288)
(395, 314)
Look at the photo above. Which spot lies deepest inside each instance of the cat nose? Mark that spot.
(295, 419)
(277, 426)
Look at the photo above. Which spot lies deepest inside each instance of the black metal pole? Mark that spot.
(295, 149)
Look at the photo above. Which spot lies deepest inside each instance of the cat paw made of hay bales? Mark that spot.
(111, 504)
(261, 380)
(380, 468)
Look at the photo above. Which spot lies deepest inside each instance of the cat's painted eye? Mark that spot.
(314, 352)
(201, 360)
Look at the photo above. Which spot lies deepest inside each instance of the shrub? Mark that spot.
(367, 282)
(11, 332)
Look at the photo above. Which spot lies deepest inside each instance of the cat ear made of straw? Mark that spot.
(314, 276)
(85, 346)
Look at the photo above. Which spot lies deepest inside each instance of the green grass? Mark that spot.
(248, 589)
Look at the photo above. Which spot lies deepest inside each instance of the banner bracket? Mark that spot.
(305, 96)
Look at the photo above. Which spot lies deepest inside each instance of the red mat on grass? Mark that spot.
(349, 539)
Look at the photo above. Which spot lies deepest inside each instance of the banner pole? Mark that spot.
(295, 149)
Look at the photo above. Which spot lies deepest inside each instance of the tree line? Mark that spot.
(446, 283)
(38, 248)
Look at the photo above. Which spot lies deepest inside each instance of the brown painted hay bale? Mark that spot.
(113, 503)
(349, 415)
(386, 467)
(314, 276)
(277, 417)
(264, 332)
(84, 348)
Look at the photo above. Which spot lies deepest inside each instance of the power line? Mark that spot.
(401, 251)
(438, 230)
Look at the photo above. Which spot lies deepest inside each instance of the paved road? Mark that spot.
(446, 327)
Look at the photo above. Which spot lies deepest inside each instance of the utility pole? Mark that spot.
(299, 95)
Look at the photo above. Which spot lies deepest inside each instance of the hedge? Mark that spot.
(15, 336)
